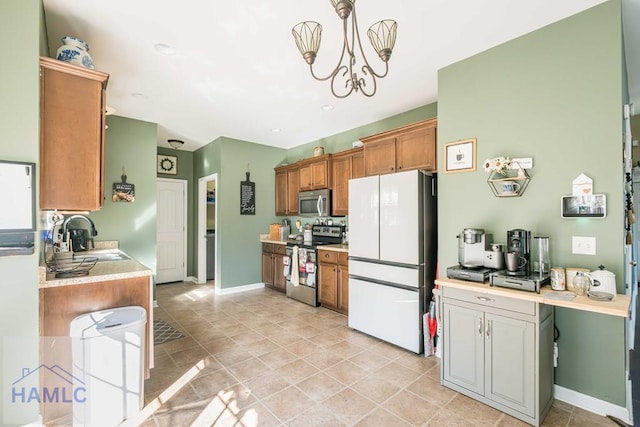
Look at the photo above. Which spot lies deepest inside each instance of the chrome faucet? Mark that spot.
(92, 227)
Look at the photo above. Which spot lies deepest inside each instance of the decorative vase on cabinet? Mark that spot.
(75, 51)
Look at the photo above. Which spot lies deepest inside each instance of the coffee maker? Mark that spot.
(519, 241)
(472, 243)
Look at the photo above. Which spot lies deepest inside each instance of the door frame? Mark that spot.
(185, 201)
(202, 230)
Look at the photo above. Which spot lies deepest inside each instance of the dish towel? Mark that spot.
(295, 271)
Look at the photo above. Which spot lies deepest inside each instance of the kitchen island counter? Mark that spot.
(618, 307)
(103, 270)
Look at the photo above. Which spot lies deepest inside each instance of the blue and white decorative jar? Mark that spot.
(75, 51)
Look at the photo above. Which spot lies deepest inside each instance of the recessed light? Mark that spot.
(275, 130)
(327, 107)
(164, 49)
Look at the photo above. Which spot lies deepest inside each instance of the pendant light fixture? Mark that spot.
(382, 36)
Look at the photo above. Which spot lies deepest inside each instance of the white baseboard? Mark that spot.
(236, 289)
(191, 279)
(591, 404)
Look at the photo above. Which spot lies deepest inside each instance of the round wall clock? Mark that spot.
(167, 164)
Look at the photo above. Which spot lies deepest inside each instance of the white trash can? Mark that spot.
(108, 348)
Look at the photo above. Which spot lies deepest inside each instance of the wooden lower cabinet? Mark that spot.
(272, 265)
(58, 306)
(499, 351)
(333, 271)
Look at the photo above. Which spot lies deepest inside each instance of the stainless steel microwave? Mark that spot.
(314, 203)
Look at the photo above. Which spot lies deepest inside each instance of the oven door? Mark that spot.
(302, 274)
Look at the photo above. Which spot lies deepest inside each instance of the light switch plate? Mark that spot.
(583, 245)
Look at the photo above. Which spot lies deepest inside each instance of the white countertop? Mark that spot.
(103, 270)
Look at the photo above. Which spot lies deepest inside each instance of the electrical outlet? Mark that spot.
(583, 245)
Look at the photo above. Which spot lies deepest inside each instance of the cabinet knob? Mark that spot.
(399, 167)
(392, 168)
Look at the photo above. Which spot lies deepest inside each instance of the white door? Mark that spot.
(399, 217)
(364, 217)
(171, 239)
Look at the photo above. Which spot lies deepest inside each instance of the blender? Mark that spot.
(540, 255)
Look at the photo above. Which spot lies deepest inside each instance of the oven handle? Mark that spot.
(384, 283)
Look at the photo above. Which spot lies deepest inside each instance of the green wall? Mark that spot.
(21, 21)
(554, 95)
(185, 172)
(342, 141)
(238, 256)
(130, 144)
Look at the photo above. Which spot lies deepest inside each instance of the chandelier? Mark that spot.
(382, 35)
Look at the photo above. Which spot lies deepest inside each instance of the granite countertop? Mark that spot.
(101, 271)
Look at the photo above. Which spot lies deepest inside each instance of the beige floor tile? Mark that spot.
(262, 347)
(558, 415)
(323, 359)
(580, 417)
(470, 409)
(397, 374)
(233, 356)
(369, 360)
(232, 330)
(303, 348)
(297, 370)
(381, 418)
(447, 419)
(267, 384)
(288, 403)
(248, 337)
(509, 421)
(206, 334)
(320, 386)
(307, 331)
(248, 369)
(326, 339)
(180, 417)
(208, 386)
(190, 356)
(219, 345)
(431, 390)
(418, 363)
(278, 357)
(349, 406)
(286, 338)
(345, 349)
(363, 340)
(257, 415)
(410, 407)
(178, 344)
(185, 396)
(389, 351)
(316, 416)
(376, 389)
(346, 372)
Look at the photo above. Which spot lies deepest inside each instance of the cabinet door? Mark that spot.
(281, 192)
(320, 175)
(380, 157)
(357, 165)
(340, 191)
(72, 125)
(417, 150)
(279, 281)
(510, 362)
(267, 269)
(293, 187)
(343, 289)
(328, 292)
(463, 351)
(306, 182)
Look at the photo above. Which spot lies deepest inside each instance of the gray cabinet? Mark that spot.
(499, 351)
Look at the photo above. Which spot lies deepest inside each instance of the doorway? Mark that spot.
(208, 230)
(171, 196)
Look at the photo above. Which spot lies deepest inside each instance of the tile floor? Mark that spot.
(261, 359)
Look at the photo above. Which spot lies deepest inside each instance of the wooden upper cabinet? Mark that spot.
(72, 134)
(405, 148)
(315, 173)
(287, 187)
(346, 165)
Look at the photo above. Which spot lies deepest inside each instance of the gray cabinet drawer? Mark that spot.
(489, 300)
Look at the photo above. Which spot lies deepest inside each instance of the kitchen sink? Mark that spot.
(104, 256)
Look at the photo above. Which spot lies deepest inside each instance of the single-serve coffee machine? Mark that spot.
(472, 244)
(518, 253)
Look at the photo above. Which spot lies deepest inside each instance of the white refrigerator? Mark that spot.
(392, 255)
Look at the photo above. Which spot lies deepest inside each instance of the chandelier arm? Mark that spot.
(333, 91)
(364, 58)
(335, 70)
(373, 81)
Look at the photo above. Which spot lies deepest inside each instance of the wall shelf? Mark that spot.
(519, 177)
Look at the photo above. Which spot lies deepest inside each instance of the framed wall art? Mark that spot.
(167, 164)
(460, 156)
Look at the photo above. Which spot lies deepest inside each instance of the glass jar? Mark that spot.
(581, 283)
(558, 279)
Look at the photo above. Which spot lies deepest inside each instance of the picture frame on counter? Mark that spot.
(460, 156)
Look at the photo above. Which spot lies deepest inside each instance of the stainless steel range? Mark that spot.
(301, 263)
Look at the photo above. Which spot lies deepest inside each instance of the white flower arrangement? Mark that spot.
(498, 165)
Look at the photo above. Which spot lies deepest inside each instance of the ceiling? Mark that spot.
(236, 71)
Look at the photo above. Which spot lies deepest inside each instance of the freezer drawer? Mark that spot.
(391, 314)
(409, 276)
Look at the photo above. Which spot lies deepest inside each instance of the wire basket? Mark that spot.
(65, 264)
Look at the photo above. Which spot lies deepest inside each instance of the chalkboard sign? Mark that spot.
(247, 197)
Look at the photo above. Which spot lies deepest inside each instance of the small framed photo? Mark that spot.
(460, 156)
(167, 164)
